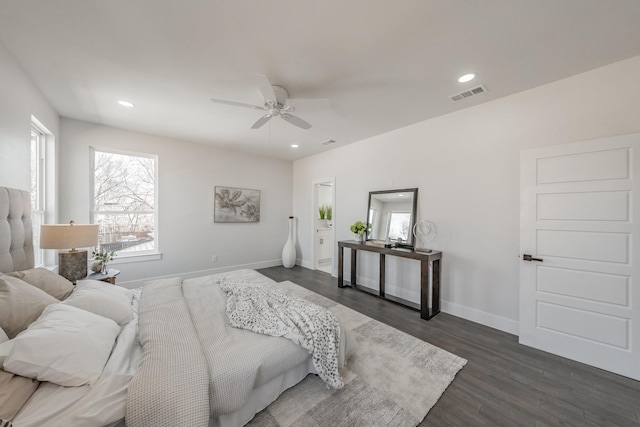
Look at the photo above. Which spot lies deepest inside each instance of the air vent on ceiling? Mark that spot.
(468, 93)
(329, 142)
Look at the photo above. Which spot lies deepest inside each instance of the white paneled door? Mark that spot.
(580, 255)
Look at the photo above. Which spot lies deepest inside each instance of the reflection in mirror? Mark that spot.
(392, 214)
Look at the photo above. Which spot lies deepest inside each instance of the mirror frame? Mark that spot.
(411, 241)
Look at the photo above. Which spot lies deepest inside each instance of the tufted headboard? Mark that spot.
(16, 234)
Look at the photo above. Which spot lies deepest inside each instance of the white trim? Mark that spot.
(481, 317)
(122, 259)
(306, 264)
(39, 209)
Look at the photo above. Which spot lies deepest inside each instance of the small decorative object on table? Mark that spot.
(427, 231)
(378, 243)
(96, 267)
(360, 229)
(103, 257)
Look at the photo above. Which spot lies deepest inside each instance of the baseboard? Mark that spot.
(309, 265)
(251, 266)
(482, 317)
(472, 314)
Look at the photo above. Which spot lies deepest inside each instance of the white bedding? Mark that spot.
(100, 405)
(104, 403)
(227, 364)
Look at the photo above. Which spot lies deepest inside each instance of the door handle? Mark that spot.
(527, 257)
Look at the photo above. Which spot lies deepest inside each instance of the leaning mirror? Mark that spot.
(392, 214)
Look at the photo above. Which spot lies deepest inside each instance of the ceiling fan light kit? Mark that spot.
(275, 104)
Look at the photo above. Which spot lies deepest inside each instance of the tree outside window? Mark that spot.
(124, 189)
(399, 225)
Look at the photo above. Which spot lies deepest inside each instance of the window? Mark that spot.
(37, 190)
(124, 202)
(399, 225)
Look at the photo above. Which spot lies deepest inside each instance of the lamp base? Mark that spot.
(72, 265)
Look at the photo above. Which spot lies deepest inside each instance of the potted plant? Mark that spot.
(329, 212)
(359, 228)
(103, 256)
(322, 211)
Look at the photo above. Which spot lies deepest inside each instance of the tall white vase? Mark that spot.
(289, 250)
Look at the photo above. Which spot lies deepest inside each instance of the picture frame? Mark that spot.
(233, 204)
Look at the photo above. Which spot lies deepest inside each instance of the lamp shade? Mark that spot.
(68, 236)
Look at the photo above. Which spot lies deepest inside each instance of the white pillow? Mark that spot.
(65, 345)
(110, 301)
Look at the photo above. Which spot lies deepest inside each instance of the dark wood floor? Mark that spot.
(504, 383)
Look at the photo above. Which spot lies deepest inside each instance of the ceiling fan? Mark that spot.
(275, 104)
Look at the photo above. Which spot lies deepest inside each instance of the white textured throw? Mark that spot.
(272, 312)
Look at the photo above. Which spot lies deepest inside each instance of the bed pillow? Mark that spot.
(50, 282)
(66, 346)
(110, 301)
(20, 304)
(14, 390)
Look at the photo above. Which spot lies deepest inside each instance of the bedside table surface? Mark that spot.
(112, 272)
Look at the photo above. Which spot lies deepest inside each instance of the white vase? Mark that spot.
(289, 250)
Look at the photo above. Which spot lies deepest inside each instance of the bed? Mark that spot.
(163, 354)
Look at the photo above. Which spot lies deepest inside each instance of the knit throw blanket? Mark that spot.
(268, 311)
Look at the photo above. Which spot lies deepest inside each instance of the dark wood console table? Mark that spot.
(427, 260)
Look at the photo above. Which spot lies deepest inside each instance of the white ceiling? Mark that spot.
(378, 64)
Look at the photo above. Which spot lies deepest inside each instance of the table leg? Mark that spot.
(382, 275)
(354, 258)
(424, 290)
(426, 312)
(341, 266)
(435, 287)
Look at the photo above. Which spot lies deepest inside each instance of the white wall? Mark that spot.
(187, 175)
(20, 100)
(466, 166)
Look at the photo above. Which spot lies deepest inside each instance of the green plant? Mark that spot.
(322, 210)
(103, 255)
(329, 212)
(360, 227)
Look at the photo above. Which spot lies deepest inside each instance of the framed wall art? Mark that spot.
(236, 205)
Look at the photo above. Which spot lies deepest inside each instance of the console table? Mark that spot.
(427, 261)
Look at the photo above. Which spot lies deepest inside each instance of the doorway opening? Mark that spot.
(323, 230)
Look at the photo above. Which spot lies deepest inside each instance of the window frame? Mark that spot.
(127, 257)
(38, 188)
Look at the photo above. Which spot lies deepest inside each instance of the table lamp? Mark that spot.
(72, 265)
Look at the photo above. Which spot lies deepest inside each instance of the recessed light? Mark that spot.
(126, 104)
(294, 145)
(466, 78)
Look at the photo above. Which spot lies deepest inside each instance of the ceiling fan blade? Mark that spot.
(237, 104)
(296, 121)
(264, 85)
(261, 121)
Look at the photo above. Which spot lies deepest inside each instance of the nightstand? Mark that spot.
(109, 277)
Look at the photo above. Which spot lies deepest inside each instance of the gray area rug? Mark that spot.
(392, 379)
